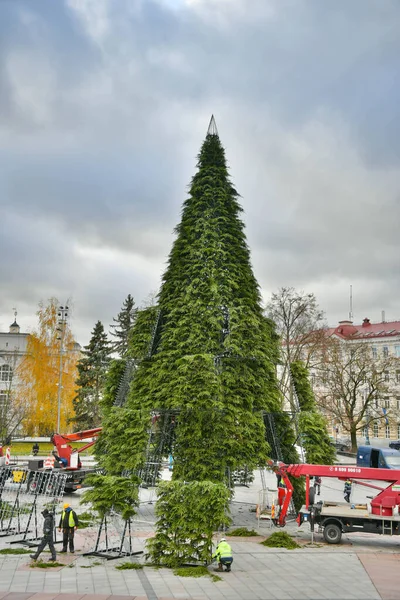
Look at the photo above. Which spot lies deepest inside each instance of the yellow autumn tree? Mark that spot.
(39, 373)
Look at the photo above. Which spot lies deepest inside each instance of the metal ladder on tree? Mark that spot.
(160, 436)
(124, 384)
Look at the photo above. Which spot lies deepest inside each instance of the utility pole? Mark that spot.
(62, 323)
(367, 415)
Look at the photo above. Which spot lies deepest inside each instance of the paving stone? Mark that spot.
(17, 596)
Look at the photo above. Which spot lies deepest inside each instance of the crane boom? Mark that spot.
(65, 450)
(386, 503)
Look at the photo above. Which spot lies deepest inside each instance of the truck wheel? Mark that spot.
(311, 495)
(32, 485)
(332, 533)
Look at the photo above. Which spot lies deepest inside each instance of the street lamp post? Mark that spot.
(367, 441)
(62, 323)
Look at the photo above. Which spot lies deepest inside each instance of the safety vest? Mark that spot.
(223, 550)
(71, 520)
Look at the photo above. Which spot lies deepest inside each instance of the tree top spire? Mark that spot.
(212, 127)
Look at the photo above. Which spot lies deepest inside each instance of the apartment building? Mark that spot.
(12, 348)
(383, 339)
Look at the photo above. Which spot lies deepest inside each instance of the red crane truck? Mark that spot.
(381, 515)
(66, 458)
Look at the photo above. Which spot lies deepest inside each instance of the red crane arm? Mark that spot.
(341, 472)
(79, 435)
(65, 450)
(392, 476)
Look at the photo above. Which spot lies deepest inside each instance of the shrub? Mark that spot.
(243, 532)
(280, 539)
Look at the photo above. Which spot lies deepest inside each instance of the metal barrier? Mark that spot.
(114, 538)
(23, 496)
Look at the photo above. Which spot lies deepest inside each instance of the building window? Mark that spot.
(397, 376)
(387, 432)
(398, 403)
(397, 351)
(313, 379)
(3, 400)
(376, 402)
(376, 430)
(374, 352)
(364, 431)
(385, 351)
(386, 402)
(398, 431)
(5, 373)
(386, 374)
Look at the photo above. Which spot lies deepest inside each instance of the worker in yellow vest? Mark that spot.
(68, 523)
(223, 553)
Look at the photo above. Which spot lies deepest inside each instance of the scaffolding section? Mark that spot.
(114, 538)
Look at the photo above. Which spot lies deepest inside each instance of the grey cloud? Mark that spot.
(103, 107)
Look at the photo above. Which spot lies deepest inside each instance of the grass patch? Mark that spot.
(45, 448)
(15, 551)
(242, 532)
(128, 565)
(191, 571)
(215, 578)
(46, 565)
(280, 539)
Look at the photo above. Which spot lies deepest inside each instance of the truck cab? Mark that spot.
(378, 458)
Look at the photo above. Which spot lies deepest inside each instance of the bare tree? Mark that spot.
(13, 408)
(300, 324)
(351, 385)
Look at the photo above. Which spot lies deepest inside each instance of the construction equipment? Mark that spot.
(381, 515)
(68, 455)
(64, 459)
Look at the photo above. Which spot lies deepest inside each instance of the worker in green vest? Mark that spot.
(68, 523)
(223, 553)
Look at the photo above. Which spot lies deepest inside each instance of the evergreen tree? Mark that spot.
(312, 424)
(92, 375)
(213, 357)
(124, 323)
(206, 351)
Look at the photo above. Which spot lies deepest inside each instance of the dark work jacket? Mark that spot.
(48, 525)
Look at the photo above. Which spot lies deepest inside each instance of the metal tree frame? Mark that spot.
(111, 552)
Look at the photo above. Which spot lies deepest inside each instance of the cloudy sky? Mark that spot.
(104, 105)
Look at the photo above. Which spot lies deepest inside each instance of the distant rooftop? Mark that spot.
(366, 330)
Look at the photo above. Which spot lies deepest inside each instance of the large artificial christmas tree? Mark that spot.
(212, 358)
(205, 353)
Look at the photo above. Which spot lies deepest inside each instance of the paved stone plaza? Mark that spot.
(363, 567)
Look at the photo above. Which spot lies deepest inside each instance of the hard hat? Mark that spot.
(222, 540)
(66, 505)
